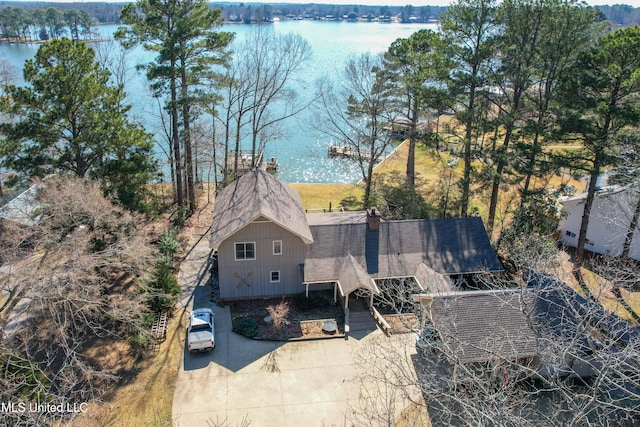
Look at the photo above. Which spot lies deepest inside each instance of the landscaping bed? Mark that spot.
(402, 323)
(303, 320)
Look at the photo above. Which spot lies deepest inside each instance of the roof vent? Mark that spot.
(373, 219)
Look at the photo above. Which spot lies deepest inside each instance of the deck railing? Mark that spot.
(346, 323)
(378, 317)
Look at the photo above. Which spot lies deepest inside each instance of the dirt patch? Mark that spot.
(302, 322)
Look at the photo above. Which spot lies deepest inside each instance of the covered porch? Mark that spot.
(355, 289)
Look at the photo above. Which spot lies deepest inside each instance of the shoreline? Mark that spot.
(7, 41)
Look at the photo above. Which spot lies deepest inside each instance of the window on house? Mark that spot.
(588, 242)
(245, 251)
(570, 234)
(275, 276)
(277, 247)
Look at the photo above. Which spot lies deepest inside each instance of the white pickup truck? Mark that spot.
(201, 331)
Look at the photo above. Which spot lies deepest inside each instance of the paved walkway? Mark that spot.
(265, 383)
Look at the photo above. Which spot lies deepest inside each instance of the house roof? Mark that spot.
(478, 326)
(347, 217)
(257, 194)
(601, 192)
(483, 325)
(447, 246)
(23, 208)
(353, 276)
(562, 311)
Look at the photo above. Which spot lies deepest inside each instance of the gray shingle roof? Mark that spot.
(255, 194)
(448, 246)
(353, 276)
(485, 325)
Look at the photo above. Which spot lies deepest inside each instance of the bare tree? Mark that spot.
(508, 356)
(114, 57)
(76, 277)
(8, 73)
(359, 112)
(269, 63)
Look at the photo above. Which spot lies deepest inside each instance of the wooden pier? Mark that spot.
(245, 164)
(346, 152)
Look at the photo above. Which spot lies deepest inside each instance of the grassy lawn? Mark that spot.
(319, 197)
(432, 172)
(600, 288)
(145, 397)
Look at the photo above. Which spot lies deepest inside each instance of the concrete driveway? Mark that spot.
(266, 383)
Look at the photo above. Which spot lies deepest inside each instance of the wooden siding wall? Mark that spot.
(251, 278)
(608, 225)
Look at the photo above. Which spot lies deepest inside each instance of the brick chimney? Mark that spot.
(373, 219)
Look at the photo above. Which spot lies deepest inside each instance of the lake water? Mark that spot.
(302, 150)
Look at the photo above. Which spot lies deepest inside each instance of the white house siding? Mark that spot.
(610, 218)
(251, 278)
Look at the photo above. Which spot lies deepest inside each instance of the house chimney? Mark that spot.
(373, 219)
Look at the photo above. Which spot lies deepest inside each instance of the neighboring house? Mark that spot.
(268, 246)
(609, 221)
(23, 208)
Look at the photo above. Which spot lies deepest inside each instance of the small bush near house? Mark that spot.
(246, 326)
(279, 313)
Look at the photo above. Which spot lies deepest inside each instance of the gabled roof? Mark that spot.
(484, 325)
(431, 280)
(352, 276)
(448, 246)
(255, 194)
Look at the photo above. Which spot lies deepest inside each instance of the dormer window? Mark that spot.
(277, 247)
(245, 251)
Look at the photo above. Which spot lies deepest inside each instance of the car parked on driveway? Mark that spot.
(201, 330)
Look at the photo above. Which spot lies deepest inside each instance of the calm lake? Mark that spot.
(302, 150)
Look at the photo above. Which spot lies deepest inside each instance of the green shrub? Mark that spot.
(164, 288)
(139, 341)
(31, 379)
(147, 319)
(245, 325)
(168, 243)
(181, 216)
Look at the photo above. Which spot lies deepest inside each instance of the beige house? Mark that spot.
(268, 246)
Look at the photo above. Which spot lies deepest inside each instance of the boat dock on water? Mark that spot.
(245, 163)
(346, 152)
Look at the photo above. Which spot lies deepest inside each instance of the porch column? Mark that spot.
(335, 293)
(370, 300)
(306, 285)
(346, 301)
